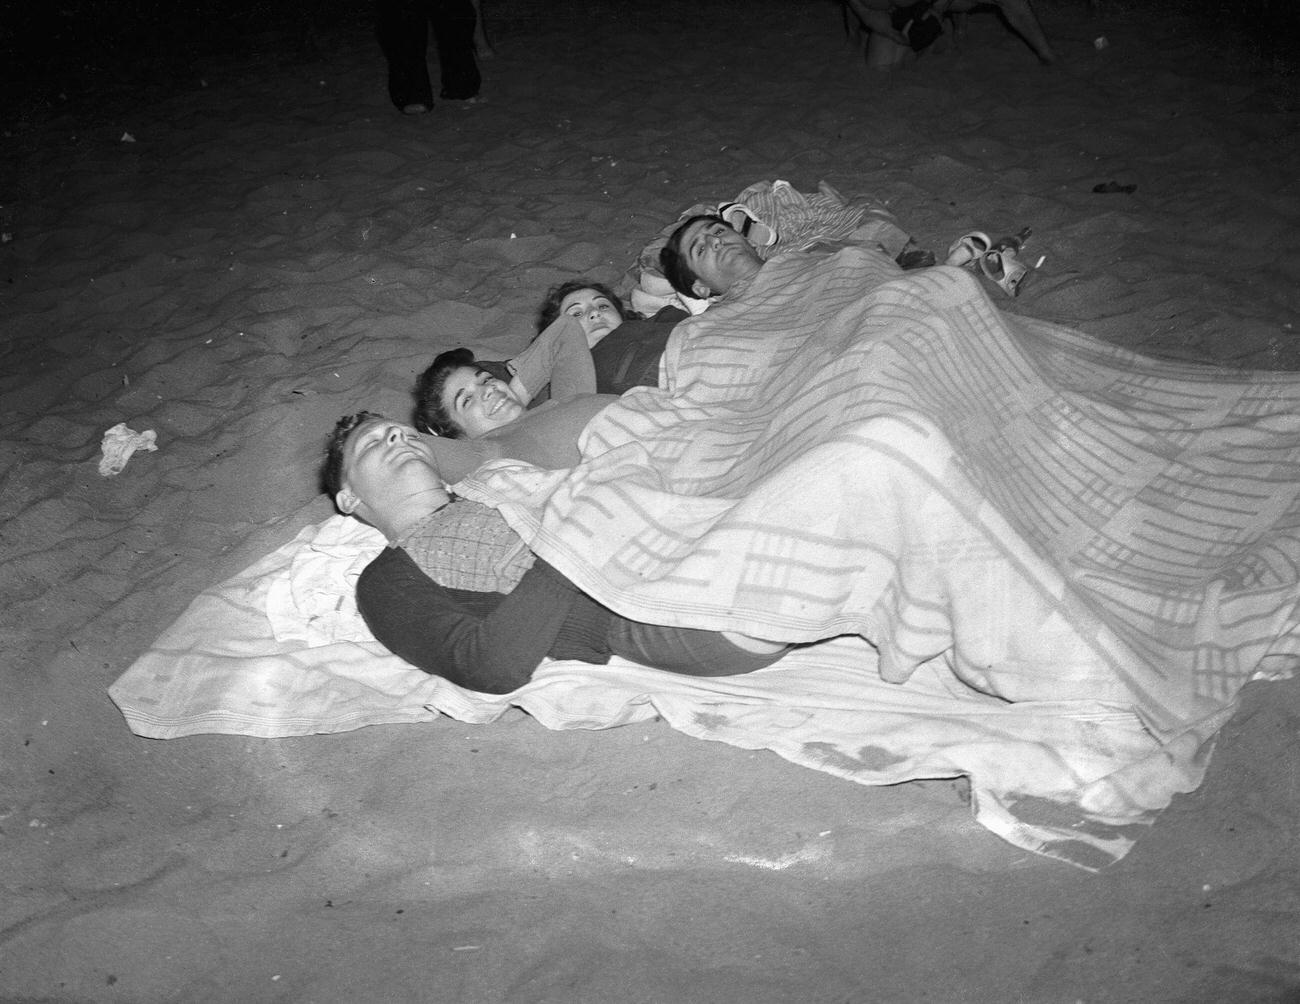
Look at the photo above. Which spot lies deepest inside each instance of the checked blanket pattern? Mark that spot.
(1034, 514)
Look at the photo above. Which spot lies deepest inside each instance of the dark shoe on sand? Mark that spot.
(911, 258)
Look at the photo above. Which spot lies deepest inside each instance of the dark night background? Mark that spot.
(69, 51)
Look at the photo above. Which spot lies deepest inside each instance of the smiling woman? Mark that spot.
(475, 417)
(480, 401)
(458, 397)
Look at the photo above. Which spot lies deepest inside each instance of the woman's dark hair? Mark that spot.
(672, 262)
(556, 294)
(331, 475)
(431, 414)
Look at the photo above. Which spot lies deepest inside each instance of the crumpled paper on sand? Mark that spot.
(119, 443)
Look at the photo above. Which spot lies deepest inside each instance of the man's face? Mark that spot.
(718, 256)
(478, 402)
(385, 466)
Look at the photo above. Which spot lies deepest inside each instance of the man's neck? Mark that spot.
(741, 281)
(401, 517)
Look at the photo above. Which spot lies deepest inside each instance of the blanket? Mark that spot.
(1030, 513)
(1034, 559)
(280, 650)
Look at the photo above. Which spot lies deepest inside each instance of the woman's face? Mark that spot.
(477, 402)
(594, 311)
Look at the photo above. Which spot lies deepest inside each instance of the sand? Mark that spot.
(234, 243)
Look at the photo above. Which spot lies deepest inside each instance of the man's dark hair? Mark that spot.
(331, 475)
(556, 294)
(672, 260)
(430, 413)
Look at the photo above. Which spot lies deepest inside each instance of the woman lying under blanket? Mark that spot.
(613, 352)
(625, 348)
(476, 417)
(586, 344)
(546, 436)
(462, 398)
(459, 398)
(458, 595)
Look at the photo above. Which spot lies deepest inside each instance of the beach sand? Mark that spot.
(235, 241)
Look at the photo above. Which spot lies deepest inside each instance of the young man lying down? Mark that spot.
(457, 594)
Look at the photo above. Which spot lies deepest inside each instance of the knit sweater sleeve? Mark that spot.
(482, 641)
(559, 356)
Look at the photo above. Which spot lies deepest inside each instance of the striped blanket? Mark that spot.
(1035, 514)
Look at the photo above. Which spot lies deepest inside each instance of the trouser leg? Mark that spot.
(453, 30)
(1022, 18)
(684, 650)
(402, 27)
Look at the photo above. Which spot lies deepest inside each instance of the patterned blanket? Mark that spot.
(851, 450)
(1050, 564)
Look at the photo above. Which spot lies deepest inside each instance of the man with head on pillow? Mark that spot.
(706, 258)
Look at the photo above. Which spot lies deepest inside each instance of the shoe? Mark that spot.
(917, 23)
(1006, 269)
(415, 108)
(997, 260)
(745, 223)
(968, 249)
(1002, 263)
(913, 258)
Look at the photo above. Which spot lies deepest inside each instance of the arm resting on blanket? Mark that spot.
(487, 642)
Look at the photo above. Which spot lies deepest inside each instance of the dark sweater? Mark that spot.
(490, 642)
(629, 355)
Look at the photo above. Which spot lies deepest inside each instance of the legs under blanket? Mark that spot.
(1077, 780)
